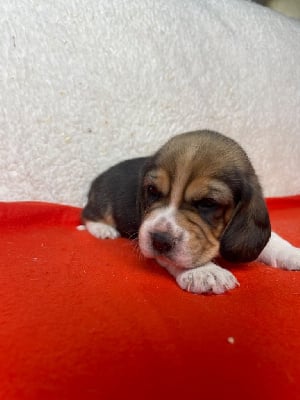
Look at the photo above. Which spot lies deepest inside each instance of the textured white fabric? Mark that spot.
(84, 84)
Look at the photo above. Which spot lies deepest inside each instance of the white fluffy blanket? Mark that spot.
(85, 84)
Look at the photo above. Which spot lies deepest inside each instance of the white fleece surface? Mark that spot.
(85, 84)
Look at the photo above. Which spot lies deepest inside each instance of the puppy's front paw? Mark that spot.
(101, 230)
(207, 279)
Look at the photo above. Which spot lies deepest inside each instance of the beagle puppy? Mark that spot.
(197, 198)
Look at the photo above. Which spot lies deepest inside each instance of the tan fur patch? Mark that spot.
(109, 220)
(203, 240)
(208, 187)
(160, 178)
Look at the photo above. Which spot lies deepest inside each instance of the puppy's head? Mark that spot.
(200, 198)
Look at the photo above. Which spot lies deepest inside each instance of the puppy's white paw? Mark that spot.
(207, 279)
(101, 230)
(289, 259)
(279, 253)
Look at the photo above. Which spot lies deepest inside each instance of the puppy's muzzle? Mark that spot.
(162, 242)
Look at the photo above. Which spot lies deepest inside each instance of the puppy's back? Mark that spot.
(112, 197)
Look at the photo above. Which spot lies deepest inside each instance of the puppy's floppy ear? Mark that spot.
(249, 229)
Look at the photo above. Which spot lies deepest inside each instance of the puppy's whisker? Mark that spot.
(133, 236)
(137, 250)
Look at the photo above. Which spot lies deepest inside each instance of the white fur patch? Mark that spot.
(279, 253)
(209, 278)
(162, 219)
(101, 230)
(165, 220)
(81, 227)
(159, 220)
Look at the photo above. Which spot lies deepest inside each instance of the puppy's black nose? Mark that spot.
(162, 242)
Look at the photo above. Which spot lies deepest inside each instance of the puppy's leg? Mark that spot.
(280, 254)
(101, 230)
(99, 222)
(209, 278)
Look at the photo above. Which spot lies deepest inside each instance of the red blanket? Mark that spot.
(83, 318)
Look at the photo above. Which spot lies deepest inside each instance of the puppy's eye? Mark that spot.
(153, 194)
(206, 204)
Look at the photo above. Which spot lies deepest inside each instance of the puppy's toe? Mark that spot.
(101, 230)
(207, 279)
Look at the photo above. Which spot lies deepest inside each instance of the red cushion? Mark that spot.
(82, 318)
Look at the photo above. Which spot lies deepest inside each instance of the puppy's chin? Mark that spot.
(168, 263)
(183, 260)
(180, 262)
